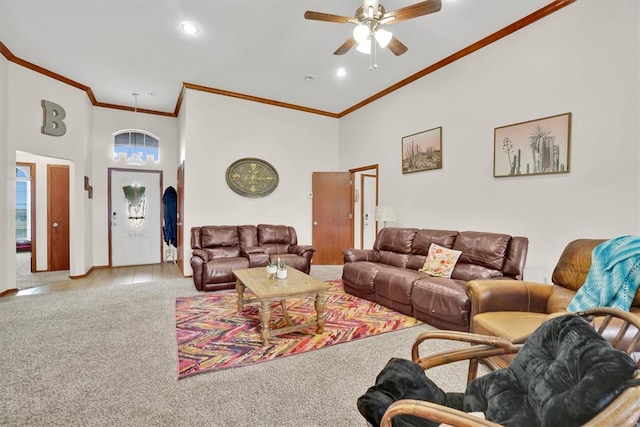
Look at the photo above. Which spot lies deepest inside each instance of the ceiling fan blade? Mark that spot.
(415, 10)
(396, 46)
(345, 46)
(327, 17)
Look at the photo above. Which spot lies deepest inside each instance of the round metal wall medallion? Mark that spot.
(251, 177)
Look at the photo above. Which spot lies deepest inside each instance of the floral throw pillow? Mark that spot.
(440, 261)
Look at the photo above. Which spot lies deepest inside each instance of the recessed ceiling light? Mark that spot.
(189, 27)
(341, 72)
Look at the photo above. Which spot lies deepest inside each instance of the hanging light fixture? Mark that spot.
(135, 157)
(369, 32)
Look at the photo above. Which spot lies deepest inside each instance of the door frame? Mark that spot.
(372, 169)
(32, 196)
(180, 217)
(157, 171)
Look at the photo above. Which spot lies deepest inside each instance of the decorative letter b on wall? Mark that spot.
(52, 119)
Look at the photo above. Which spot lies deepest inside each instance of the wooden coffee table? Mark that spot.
(266, 290)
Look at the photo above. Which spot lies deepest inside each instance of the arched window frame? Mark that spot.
(136, 146)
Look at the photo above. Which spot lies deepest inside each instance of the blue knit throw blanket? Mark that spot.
(613, 278)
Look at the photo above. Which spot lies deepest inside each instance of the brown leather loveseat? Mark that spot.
(217, 250)
(389, 273)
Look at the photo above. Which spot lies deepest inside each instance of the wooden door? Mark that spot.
(180, 217)
(58, 217)
(332, 216)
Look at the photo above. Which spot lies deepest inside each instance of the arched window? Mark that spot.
(135, 146)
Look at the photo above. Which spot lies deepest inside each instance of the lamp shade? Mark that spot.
(385, 213)
(361, 33)
(383, 37)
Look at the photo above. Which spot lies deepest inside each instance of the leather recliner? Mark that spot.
(514, 309)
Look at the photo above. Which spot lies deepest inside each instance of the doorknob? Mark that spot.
(315, 222)
(55, 225)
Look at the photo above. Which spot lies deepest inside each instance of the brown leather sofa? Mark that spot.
(388, 274)
(217, 250)
(514, 309)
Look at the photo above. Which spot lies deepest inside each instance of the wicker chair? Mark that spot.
(620, 328)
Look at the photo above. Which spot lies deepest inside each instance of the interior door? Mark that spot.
(57, 217)
(180, 235)
(369, 193)
(135, 212)
(332, 216)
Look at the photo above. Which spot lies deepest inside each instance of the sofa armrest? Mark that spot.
(353, 255)
(200, 253)
(507, 295)
(301, 249)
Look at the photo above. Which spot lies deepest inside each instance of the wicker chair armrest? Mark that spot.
(483, 346)
(434, 412)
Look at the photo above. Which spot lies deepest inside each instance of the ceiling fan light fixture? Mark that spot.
(383, 37)
(361, 33)
(364, 47)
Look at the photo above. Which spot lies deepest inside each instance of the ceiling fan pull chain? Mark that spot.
(373, 60)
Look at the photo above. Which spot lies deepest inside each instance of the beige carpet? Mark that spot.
(106, 356)
(25, 279)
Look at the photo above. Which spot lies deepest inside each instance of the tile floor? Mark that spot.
(141, 274)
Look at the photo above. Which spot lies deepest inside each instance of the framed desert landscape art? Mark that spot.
(422, 151)
(535, 147)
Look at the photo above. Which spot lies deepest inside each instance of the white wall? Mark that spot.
(26, 89)
(107, 122)
(219, 130)
(582, 59)
(7, 170)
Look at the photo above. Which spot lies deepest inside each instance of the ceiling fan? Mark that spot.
(370, 18)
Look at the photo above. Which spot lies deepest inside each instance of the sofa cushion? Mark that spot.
(395, 284)
(394, 259)
(398, 240)
(424, 238)
(273, 234)
(219, 235)
(472, 271)
(440, 261)
(485, 249)
(221, 270)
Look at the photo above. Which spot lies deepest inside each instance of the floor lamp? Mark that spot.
(385, 214)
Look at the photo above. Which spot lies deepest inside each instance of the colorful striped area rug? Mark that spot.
(213, 335)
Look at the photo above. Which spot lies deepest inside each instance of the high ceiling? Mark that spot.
(259, 48)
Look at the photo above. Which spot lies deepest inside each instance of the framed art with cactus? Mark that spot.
(422, 151)
(535, 147)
